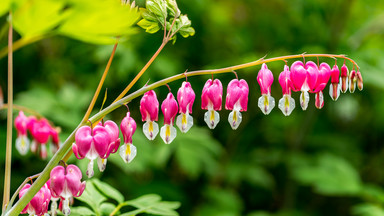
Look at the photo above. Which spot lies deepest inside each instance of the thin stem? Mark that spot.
(21, 43)
(18, 207)
(24, 109)
(8, 151)
(118, 207)
(122, 94)
(97, 92)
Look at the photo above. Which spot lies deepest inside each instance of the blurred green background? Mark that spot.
(314, 162)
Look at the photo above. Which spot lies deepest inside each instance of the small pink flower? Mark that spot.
(65, 182)
(39, 203)
(237, 101)
(92, 144)
(22, 141)
(286, 103)
(169, 108)
(334, 88)
(211, 100)
(265, 79)
(149, 108)
(322, 80)
(185, 97)
(113, 131)
(304, 79)
(128, 127)
(41, 131)
(344, 78)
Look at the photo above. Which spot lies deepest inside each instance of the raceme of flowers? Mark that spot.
(64, 184)
(40, 130)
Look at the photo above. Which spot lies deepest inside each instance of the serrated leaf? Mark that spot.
(37, 17)
(98, 21)
(108, 190)
(92, 196)
(81, 210)
(107, 208)
(149, 26)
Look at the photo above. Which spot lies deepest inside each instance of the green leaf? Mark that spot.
(149, 26)
(367, 209)
(145, 201)
(107, 208)
(152, 204)
(158, 8)
(92, 197)
(186, 32)
(37, 17)
(99, 21)
(4, 6)
(108, 190)
(80, 210)
(329, 175)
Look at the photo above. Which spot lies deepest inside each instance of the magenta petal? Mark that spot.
(312, 73)
(101, 140)
(169, 108)
(128, 128)
(149, 106)
(81, 189)
(298, 75)
(73, 179)
(185, 97)
(265, 79)
(76, 152)
(21, 122)
(285, 80)
(83, 140)
(212, 94)
(237, 92)
(335, 74)
(57, 178)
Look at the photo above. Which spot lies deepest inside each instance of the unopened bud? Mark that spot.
(359, 81)
(344, 78)
(352, 81)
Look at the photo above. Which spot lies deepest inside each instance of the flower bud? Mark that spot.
(237, 101)
(185, 98)
(352, 81)
(265, 79)
(211, 100)
(334, 88)
(286, 103)
(344, 78)
(169, 108)
(149, 108)
(128, 150)
(359, 81)
(22, 141)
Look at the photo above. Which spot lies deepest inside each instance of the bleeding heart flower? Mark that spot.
(65, 182)
(265, 79)
(304, 79)
(344, 78)
(322, 80)
(359, 81)
(185, 98)
(211, 100)
(113, 131)
(41, 131)
(39, 203)
(92, 144)
(128, 127)
(237, 101)
(286, 103)
(334, 88)
(149, 108)
(22, 141)
(169, 108)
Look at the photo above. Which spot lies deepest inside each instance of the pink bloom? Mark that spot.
(92, 144)
(185, 98)
(286, 103)
(344, 78)
(304, 79)
(113, 131)
(149, 108)
(236, 100)
(39, 203)
(22, 141)
(322, 80)
(41, 131)
(265, 79)
(55, 140)
(211, 100)
(66, 183)
(128, 127)
(334, 88)
(169, 108)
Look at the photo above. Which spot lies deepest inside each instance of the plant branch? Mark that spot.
(18, 207)
(23, 108)
(8, 151)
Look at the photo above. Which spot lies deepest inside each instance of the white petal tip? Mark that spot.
(184, 122)
(266, 103)
(128, 152)
(235, 119)
(168, 133)
(150, 129)
(287, 104)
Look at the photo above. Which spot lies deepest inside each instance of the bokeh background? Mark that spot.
(314, 162)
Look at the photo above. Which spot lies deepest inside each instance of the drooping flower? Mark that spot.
(128, 127)
(359, 80)
(55, 140)
(185, 98)
(334, 88)
(286, 103)
(169, 108)
(352, 81)
(39, 203)
(149, 108)
(22, 141)
(92, 143)
(237, 101)
(211, 100)
(113, 131)
(66, 183)
(344, 78)
(41, 131)
(265, 79)
(304, 78)
(322, 80)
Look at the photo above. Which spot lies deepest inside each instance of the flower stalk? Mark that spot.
(18, 207)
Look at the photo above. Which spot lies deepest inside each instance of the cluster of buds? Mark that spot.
(64, 184)
(40, 130)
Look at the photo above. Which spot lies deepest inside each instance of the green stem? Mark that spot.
(8, 151)
(18, 207)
